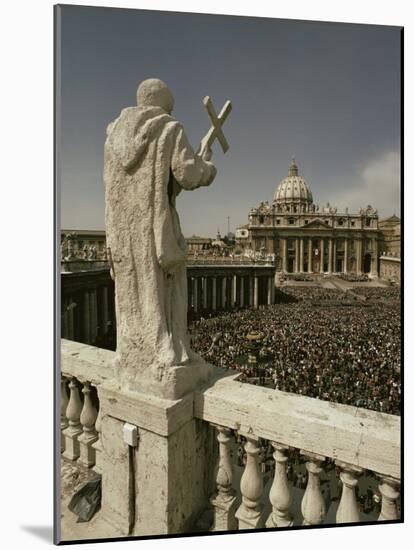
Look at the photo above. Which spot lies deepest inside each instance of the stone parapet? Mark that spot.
(361, 437)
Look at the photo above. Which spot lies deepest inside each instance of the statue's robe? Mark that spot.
(148, 160)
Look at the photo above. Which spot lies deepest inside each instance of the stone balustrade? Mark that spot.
(259, 432)
(83, 368)
(355, 441)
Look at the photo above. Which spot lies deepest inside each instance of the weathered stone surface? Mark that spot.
(162, 485)
(116, 504)
(161, 416)
(148, 161)
(364, 438)
(86, 363)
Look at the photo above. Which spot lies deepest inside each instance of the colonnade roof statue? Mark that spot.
(293, 188)
(148, 162)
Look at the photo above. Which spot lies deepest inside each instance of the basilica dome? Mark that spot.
(293, 189)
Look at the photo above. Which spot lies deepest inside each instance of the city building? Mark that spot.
(390, 249)
(308, 238)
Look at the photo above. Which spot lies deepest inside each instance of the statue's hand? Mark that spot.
(206, 154)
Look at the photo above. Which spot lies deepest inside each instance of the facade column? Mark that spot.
(374, 258)
(189, 292)
(301, 254)
(71, 324)
(214, 294)
(334, 256)
(296, 264)
(234, 291)
(105, 310)
(94, 314)
(330, 250)
(251, 299)
(321, 262)
(205, 281)
(64, 317)
(256, 292)
(346, 256)
(269, 290)
(310, 270)
(241, 291)
(358, 256)
(86, 318)
(195, 294)
(223, 293)
(284, 255)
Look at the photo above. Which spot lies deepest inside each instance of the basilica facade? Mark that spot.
(307, 238)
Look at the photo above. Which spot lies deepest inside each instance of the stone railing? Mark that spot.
(225, 260)
(83, 368)
(357, 441)
(328, 436)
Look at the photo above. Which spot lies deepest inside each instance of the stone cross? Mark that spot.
(217, 122)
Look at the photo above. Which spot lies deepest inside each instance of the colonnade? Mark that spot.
(86, 314)
(212, 292)
(327, 255)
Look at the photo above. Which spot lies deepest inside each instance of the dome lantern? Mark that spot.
(293, 169)
(293, 189)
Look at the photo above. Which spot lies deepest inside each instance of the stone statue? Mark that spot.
(64, 248)
(148, 162)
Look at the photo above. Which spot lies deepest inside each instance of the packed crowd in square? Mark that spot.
(325, 344)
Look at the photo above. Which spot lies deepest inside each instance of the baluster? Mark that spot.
(389, 488)
(72, 432)
(280, 494)
(313, 503)
(348, 509)
(64, 400)
(224, 501)
(98, 467)
(89, 436)
(251, 487)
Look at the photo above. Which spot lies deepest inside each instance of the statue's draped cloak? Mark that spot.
(147, 161)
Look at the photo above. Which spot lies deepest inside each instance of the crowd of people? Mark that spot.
(318, 295)
(315, 346)
(354, 277)
(376, 294)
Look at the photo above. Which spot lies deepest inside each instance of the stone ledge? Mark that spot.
(364, 438)
(86, 363)
(157, 415)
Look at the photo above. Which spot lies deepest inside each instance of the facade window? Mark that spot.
(277, 222)
(291, 221)
(306, 221)
(353, 224)
(261, 219)
(326, 222)
(340, 222)
(367, 222)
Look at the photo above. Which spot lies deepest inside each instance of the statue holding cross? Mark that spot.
(148, 161)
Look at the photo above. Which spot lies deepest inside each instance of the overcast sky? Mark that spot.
(327, 93)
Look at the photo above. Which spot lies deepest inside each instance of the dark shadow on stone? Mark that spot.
(43, 532)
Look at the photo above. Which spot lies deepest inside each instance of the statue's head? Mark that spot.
(155, 93)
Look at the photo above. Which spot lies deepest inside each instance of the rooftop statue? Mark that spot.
(148, 162)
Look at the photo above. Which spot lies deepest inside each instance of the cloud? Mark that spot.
(377, 183)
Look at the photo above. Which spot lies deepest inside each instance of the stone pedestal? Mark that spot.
(87, 453)
(164, 483)
(72, 448)
(224, 513)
